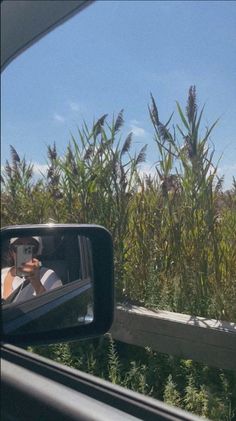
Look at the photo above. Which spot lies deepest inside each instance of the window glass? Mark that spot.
(124, 116)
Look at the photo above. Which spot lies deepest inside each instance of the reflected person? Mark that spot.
(35, 279)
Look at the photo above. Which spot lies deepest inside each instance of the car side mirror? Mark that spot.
(57, 283)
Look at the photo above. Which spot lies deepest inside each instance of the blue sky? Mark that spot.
(111, 56)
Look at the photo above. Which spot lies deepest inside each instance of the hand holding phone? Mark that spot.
(24, 254)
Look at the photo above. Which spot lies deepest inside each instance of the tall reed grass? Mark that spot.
(174, 236)
(174, 233)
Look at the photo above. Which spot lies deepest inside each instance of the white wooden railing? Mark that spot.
(208, 341)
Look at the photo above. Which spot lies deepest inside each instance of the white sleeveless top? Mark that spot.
(48, 279)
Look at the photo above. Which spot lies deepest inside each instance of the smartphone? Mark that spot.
(24, 254)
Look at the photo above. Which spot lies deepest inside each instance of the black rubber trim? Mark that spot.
(119, 398)
(77, 9)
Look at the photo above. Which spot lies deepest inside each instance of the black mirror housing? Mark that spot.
(19, 314)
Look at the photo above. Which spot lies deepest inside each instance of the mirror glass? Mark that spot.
(46, 282)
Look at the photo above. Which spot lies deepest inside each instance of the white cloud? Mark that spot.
(228, 171)
(231, 168)
(137, 129)
(135, 122)
(146, 168)
(74, 106)
(58, 118)
(39, 169)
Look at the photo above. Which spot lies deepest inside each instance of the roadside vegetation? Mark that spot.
(174, 236)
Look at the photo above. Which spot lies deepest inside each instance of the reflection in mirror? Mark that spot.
(46, 282)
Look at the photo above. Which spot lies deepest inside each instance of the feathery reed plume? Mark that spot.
(142, 155)
(161, 129)
(14, 155)
(148, 181)
(170, 183)
(191, 107)
(8, 169)
(70, 160)
(69, 154)
(88, 152)
(99, 124)
(153, 111)
(52, 152)
(127, 144)
(219, 184)
(119, 121)
(190, 147)
(50, 172)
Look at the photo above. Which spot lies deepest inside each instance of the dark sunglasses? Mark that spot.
(35, 247)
